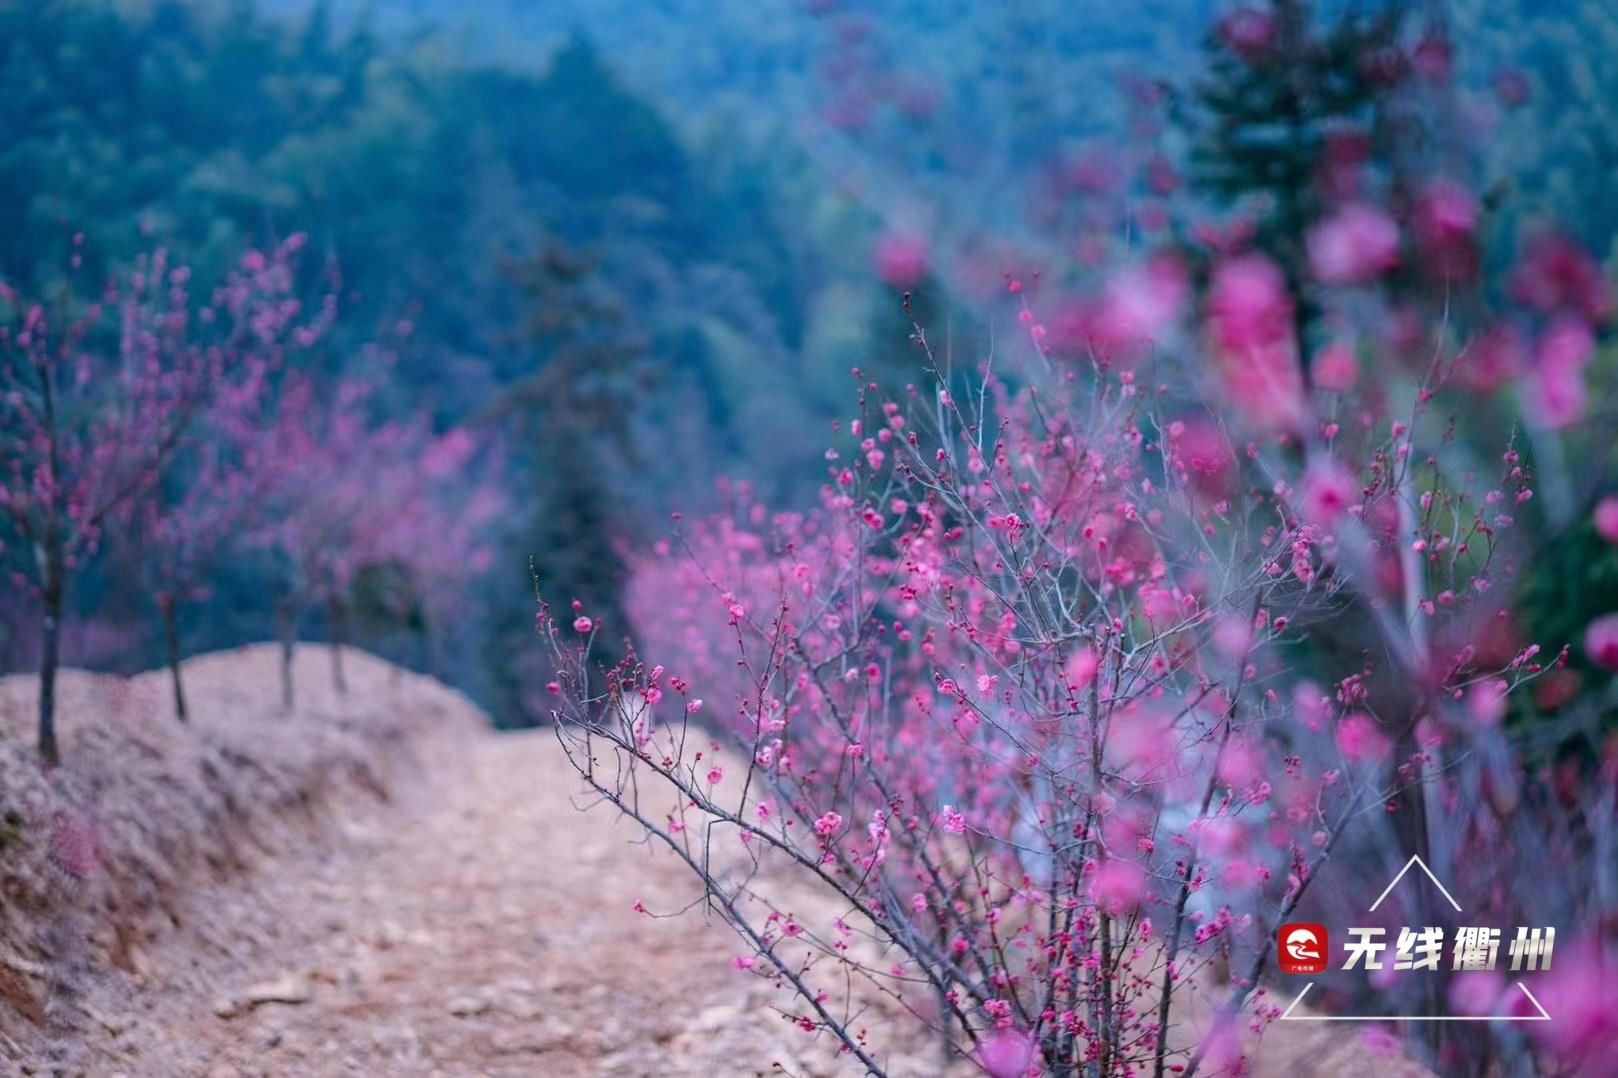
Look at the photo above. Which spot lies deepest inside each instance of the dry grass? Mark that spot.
(378, 884)
(95, 855)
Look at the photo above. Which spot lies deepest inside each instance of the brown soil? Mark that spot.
(476, 922)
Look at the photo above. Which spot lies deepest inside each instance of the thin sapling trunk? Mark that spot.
(288, 624)
(50, 651)
(171, 644)
(335, 616)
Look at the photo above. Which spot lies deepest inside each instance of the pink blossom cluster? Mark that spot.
(1019, 690)
(1094, 657)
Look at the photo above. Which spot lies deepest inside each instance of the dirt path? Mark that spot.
(480, 925)
(484, 927)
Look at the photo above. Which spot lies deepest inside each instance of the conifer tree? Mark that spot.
(1285, 96)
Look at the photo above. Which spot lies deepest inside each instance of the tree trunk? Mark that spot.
(52, 557)
(435, 650)
(335, 616)
(171, 641)
(288, 625)
(50, 656)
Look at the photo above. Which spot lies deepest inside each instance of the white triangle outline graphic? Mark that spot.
(1288, 1016)
(1415, 859)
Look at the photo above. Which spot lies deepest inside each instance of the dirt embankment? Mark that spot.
(374, 884)
(99, 858)
(377, 884)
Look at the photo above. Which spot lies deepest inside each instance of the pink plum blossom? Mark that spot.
(1356, 244)
(1335, 368)
(1446, 223)
(1486, 701)
(1605, 518)
(1478, 993)
(1359, 738)
(1081, 668)
(1559, 277)
(828, 824)
(1556, 394)
(1601, 641)
(901, 258)
(1250, 316)
(1581, 995)
(1006, 1053)
(1118, 886)
(1140, 305)
(1249, 32)
(1329, 491)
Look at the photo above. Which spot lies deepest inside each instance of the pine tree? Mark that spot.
(589, 364)
(1283, 90)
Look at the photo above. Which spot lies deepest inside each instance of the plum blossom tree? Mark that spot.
(1093, 658)
(96, 398)
(321, 445)
(222, 473)
(180, 536)
(1019, 693)
(434, 510)
(439, 537)
(351, 495)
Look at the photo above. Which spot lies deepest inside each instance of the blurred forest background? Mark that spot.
(637, 243)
